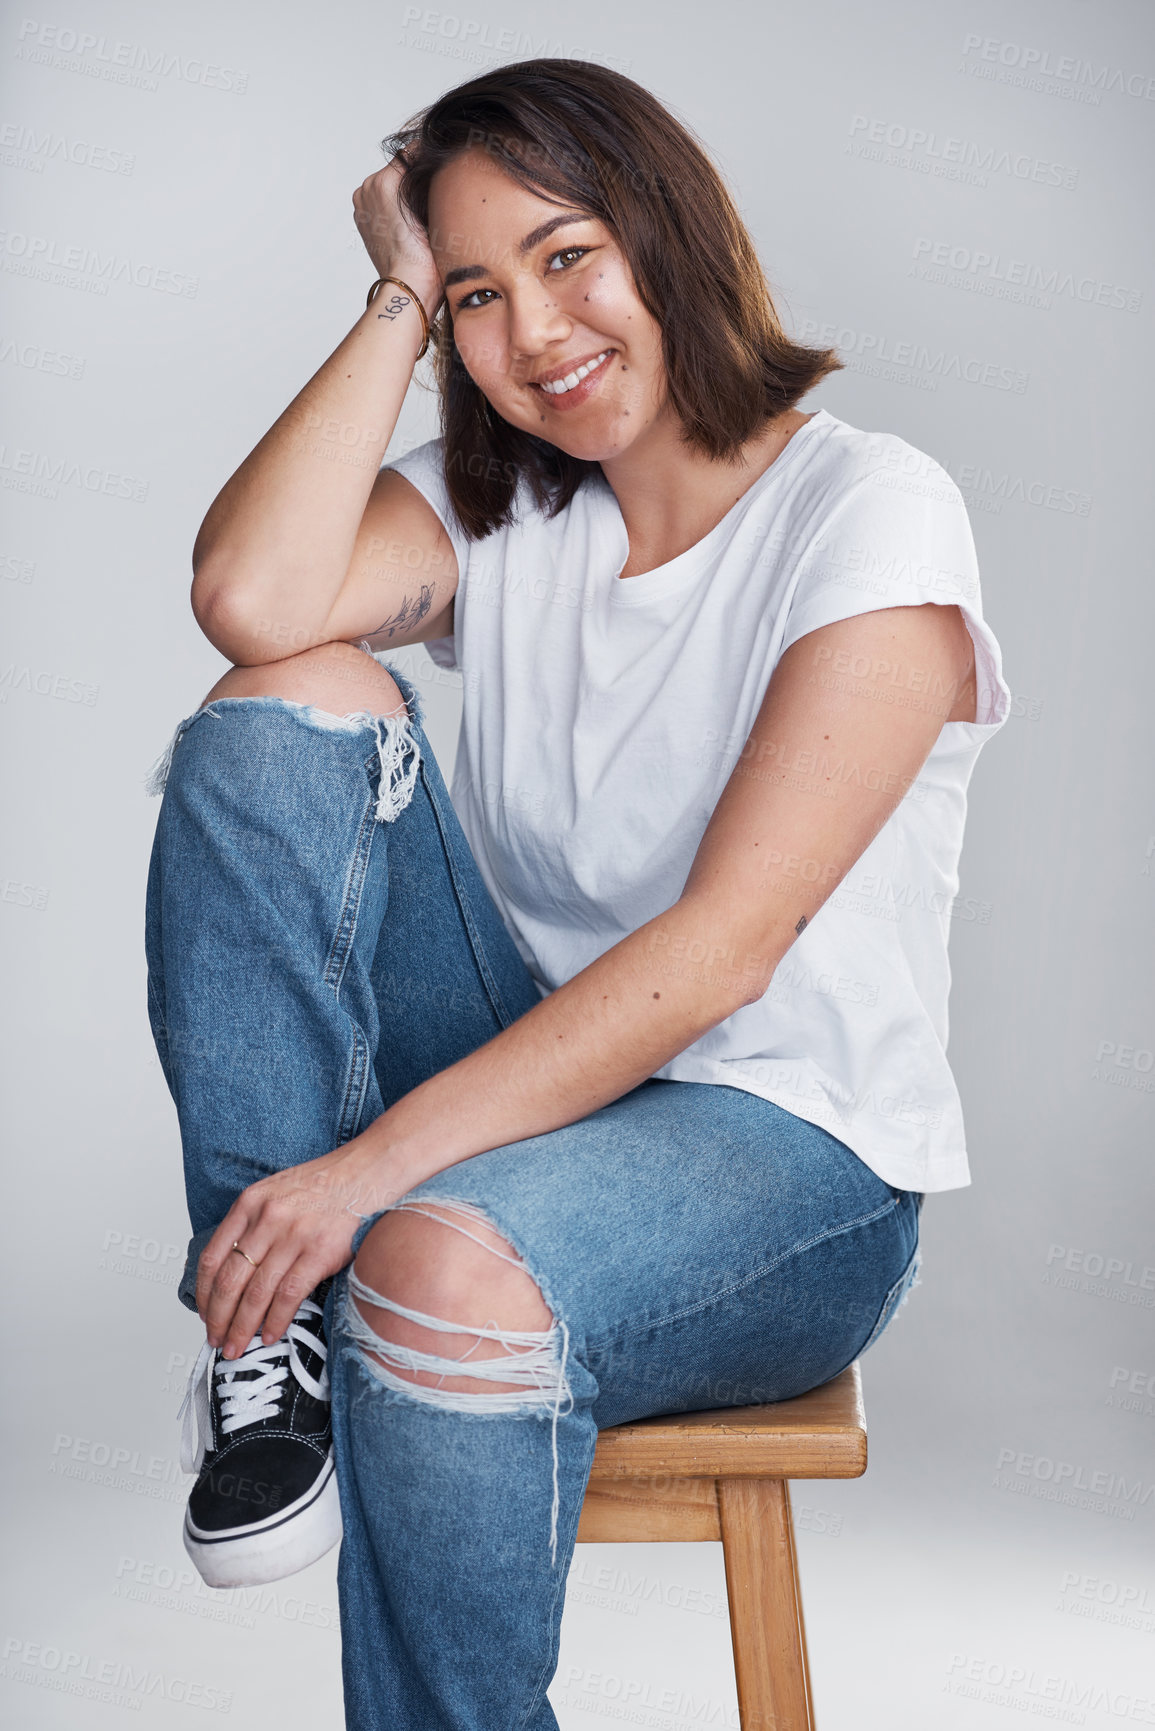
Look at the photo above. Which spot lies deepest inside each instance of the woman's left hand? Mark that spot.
(297, 1226)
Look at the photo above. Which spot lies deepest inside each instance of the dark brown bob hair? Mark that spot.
(580, 134)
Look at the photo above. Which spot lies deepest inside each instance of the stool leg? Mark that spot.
(766, 1624)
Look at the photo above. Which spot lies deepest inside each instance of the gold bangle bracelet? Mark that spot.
(415, 298)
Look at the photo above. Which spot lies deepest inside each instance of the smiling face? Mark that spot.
(546, 317)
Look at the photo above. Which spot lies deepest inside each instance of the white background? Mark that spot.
(861, 142)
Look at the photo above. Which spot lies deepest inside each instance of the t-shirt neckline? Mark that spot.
(627, 591)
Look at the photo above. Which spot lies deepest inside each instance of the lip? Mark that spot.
(583, 389)
(572, 366)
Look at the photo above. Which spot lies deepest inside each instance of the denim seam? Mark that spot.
(334, 972)
(475, 943)
(152, 996)
(339, 949)
(354, 1088)
(760, 1273)
(413, 702)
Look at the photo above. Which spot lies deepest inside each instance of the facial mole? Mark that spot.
(657, 994)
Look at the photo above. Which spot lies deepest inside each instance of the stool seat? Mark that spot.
(819, 1435)
(723, 1475)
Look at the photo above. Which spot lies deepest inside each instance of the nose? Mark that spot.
(537, 322)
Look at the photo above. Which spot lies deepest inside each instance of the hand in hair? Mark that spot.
(397, 245)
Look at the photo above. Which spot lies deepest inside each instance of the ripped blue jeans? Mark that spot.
(319, 941)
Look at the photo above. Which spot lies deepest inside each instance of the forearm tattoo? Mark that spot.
(409, 616)
(396, 304)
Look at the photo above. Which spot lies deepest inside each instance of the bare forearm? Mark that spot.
(586, 1044)
(277, 541)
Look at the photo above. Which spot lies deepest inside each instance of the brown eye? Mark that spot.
(470, 299)
(571, 253)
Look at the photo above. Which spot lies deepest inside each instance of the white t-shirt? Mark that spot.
(603, 716)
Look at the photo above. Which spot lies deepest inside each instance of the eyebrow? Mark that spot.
(470, 272)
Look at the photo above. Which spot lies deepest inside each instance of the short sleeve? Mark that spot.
(894, 543)
(424, 468)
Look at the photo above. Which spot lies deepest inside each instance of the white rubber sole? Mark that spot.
(270, 1550)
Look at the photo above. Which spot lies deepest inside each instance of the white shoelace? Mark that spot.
(249, 1399)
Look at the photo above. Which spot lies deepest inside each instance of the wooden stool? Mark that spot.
(723, 1475)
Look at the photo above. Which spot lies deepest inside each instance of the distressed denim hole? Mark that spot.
(527, 1359)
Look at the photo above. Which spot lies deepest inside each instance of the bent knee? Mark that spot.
(477, 1284)
(434, 1267)
(336, 677)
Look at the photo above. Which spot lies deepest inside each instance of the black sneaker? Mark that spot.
(256, 1430)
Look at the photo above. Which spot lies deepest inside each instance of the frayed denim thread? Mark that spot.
(398, 753)
(530, 1355)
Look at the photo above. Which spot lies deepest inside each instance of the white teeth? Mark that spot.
(558, 387)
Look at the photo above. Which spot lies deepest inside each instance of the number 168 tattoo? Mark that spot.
(397, 304)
